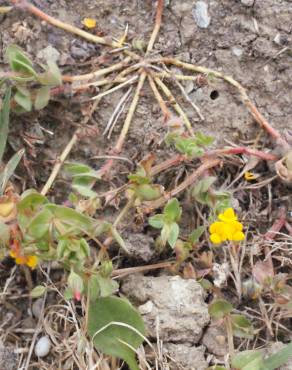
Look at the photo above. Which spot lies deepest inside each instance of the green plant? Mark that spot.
(30, 88)
(167, 222)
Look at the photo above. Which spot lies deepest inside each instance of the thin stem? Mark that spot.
(190, 180)
(65, 26)
(252, 108)
(99, 73)
(124, 211)
(159, 98)
(5, 9)
(174, 103)
(157, 25)
(168, 163)
(107, 92)
(132, 270)
(229, 330)
(243, 150)
(59, 163)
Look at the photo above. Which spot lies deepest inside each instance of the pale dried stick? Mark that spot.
(96, 74)
(107, 92)
(118, 114)
(5, 9)
(156, 29)
(60, 161)
(259, 118)
(159, 98)
(175, 104)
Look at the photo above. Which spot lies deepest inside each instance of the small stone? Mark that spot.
(247, 2)
(140, 246)
(146, 308)
(43, 346)
(49, 53)
(215, 340)
(37, 307)
(200, 14)
(187, 356)
(237, 51)
(281, 39)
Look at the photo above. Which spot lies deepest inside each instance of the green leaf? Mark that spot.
(156, 221)
(203, 139)
(75, 284)
(196, 234)
(278, 359)
(71, 217)
(19, 62)
(173, 234)
(42, 97)
(165, 233)
(242, 327)
(116, 328)
(76, 168)
(93, 288)
(172, 210)
(9, 169)
(203, 185)
(148, 192)
(85, 191)
(107, 286)
(23, 100)
(119, 239)
(40, 224)
(52, 76)
(248, 360)
(31, 199)
(216, 367)
(4, 121)
(220, 308)
(38, 291)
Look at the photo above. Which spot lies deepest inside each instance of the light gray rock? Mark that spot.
(42, 347)
(185, 357)
(200, 14)
(247, 2)
(8, 359)
(237, 51)
(49, 53)
(171, 305)
(140, 246)
(215, 340)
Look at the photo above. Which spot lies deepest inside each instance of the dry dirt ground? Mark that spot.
(250, 43)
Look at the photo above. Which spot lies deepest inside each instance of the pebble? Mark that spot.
(200, 14)
(280, 39)
(237, 51)
(49, 53)
(43, 346)
(247, 2)
(37, 307)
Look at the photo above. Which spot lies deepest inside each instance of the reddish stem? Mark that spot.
(277, 225)
(244, 150)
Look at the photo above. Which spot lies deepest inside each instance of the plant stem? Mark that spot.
(159, 11)
(190, 180)
(124, 211)
(234, 260)
(229, 330)
(243, 150)
(159, 99)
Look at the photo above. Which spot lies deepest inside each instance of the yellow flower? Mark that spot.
(228, 228)
(30, 261)
(89, 23)
(249, 176)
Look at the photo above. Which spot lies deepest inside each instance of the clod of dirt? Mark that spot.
(215, 340)
(247, 2)
(140, 246)
(49, 53)
(185, 357)
(276, 347)
(8, 359)
(170, 306)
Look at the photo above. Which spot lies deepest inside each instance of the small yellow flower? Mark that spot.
(228, 228)
(30, 261)
(249, 176)
(89, 23)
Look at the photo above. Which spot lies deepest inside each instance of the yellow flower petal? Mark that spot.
(12, 254)
(89, 23)
(249, 176)
(237, 225)
(238, 236)
(228, 215)
(215, 227)
(21, 260)
(215, 239)
(32, 261)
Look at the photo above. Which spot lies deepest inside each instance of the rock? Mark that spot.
(42, 347)
(177, 303)
(49, 53)
(140, 246)
(8, 359)
(247, 2)
(237, 51)
(37, 307)
(281, 39)
(185, 356)
(215, 340)
(276, 347)
(200, 14)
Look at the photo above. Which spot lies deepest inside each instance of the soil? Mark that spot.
(250, 43)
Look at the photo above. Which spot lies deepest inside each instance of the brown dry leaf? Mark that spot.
(263, 272)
